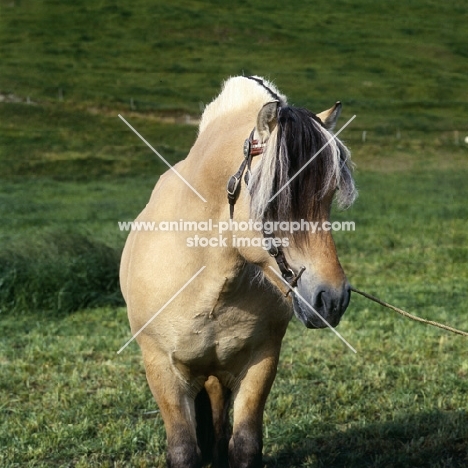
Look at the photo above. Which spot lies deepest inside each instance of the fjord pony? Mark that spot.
(215, 341)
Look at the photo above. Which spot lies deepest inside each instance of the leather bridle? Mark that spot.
(253, 148)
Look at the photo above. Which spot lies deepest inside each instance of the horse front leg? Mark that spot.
(246, 444)
(219, 399)
(177, 410)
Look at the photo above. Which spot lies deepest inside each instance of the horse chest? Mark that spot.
(224, 338)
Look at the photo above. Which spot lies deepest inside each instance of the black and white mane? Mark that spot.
(300, 140)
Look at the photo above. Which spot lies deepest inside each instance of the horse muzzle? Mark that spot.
(322, 306)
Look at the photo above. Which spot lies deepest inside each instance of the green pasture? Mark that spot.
(70, 169)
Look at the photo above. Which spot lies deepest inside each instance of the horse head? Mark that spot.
(302, 169)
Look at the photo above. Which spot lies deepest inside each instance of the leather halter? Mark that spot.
(253, 148)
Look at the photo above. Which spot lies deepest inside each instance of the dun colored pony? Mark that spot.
(218, 340)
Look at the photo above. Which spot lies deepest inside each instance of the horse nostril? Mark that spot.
(332, 301)
(346, 297)
(320, 300)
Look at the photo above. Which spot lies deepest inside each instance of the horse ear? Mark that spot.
(267, 119)
(330, 116)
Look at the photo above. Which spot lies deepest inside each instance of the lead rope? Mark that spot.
(407, 314)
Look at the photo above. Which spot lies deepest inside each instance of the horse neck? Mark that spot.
(218, 153)
(214, 158)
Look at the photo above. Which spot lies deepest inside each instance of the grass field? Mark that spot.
(70, 169)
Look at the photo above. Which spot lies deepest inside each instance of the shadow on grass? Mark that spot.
(436, 439)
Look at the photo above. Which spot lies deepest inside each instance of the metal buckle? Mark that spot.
(247, 148)
(289, 276)
(273, 250)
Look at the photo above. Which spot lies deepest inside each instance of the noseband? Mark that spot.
(253, 148)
